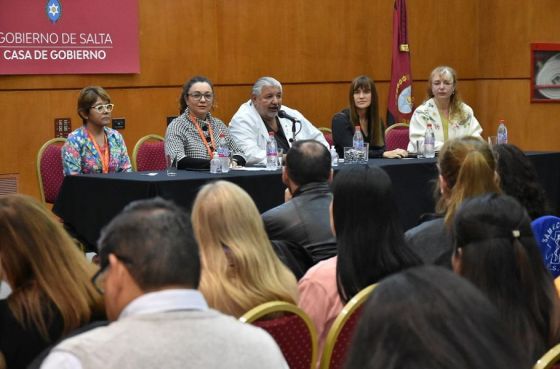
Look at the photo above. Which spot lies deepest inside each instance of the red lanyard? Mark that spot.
(201, 134)
(103, 155)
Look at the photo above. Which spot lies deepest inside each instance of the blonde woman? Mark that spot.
(449, 115)
(240, 270)
(49, 277)
(467, 168)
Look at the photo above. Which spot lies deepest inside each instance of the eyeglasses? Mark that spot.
(197, 96)
(98, 279)
(101, 107)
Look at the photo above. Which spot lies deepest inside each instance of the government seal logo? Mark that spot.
(54, 10)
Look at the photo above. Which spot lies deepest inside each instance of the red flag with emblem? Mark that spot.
(399, 106)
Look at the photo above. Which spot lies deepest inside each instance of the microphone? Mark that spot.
(283, 114)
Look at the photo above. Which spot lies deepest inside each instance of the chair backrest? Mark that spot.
(49, 169)
(396, 136)
(149, 153)
(341, 332)
(327, 133)
(547, 234)
(291, 328)
(549, 359)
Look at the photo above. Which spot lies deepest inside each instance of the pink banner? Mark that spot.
(69, 36)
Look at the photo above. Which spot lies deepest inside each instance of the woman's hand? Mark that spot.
(235, 164)
(397, 153)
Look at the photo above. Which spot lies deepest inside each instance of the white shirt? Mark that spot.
(248, 130)
(149, 303)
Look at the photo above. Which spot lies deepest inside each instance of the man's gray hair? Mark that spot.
(264, 82)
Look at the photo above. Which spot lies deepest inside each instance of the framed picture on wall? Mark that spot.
(545, 72)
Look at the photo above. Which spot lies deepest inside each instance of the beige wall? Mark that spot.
(315, 47)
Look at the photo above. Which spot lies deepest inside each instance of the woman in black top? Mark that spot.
(363, 112)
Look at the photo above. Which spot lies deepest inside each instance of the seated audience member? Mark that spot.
(302, 223)
(239, 268)
(428, 318)
(370, 242)
(496, 251)
(251, 124)
(50, 281)
(449, 115)
(363, 111)
(94, 147)
(466, 168)
(193, 136)
(518, 178)
(150, 269)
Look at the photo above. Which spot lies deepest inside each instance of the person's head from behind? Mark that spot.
(94, 103)
(148, 247)
(41, 263)
(370, 243)
(307, 161)
(518, 178)
(238, 262)
(427, 317)
(495, 249)
(466, 168)
(266, 96)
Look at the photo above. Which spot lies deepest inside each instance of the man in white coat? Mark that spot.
(251, 124)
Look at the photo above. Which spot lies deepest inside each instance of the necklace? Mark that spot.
(194, 120)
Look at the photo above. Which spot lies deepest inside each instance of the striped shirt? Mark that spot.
(183, 140)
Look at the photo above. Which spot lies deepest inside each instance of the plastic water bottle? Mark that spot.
(215, 163)
(271, 152)
(358, 140)
(429, 142)
(334, 157)
(502, 133)
(223, 153)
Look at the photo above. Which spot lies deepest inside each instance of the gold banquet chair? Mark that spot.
(549, 359)
(340, 334)
(327, 133)
(149, 153)
(396, 136)
(49, 169)
(291, 328)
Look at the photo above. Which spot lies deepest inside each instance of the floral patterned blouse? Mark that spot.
(457, 127)
(79, 155)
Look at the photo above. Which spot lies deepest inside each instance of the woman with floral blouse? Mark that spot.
(449, 115)
(94, 147)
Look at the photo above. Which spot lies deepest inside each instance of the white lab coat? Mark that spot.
(248, 130)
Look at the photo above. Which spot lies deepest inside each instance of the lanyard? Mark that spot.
(201, 134)
(103, 155)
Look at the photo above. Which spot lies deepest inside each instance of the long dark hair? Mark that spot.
(375, 125)
(427, 317)
(518, 178)
(368, 230)
(496, 250)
